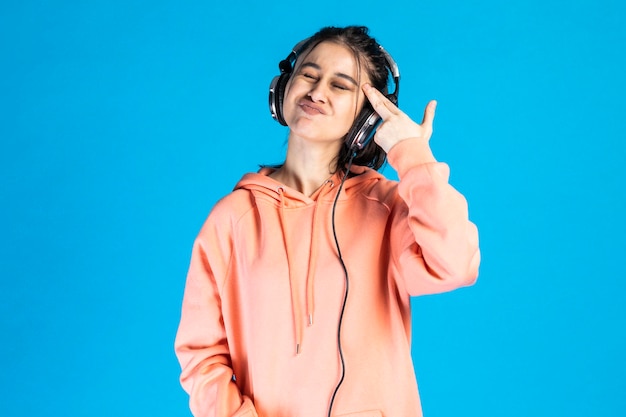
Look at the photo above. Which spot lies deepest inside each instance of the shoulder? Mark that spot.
(373, 186)
(227, 212)
(233, 205)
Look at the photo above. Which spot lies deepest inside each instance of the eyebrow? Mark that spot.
(337, 74)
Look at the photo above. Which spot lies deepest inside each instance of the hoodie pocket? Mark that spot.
(368, 413)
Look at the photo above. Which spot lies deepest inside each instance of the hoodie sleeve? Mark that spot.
(201, 345)
(434, 246)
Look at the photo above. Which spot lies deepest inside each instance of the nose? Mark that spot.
(318, 92)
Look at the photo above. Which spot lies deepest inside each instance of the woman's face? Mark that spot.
(324, 93)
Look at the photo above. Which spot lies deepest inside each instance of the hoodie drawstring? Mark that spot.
(310, 277)
(295, 306)
(310, 299)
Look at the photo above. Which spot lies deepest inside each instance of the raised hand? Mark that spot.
(397, 125)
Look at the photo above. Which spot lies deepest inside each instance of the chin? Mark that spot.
(308, 129)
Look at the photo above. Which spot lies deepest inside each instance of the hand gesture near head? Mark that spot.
(397, 125)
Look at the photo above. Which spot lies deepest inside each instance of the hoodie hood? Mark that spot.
(263, 187)
(260, 183)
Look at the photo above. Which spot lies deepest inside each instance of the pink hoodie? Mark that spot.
(262, 303)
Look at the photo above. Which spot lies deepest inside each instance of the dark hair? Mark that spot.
(367, 54)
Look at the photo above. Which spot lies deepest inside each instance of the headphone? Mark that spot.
(367, 121)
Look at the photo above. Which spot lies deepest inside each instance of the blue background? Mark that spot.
(121, 124)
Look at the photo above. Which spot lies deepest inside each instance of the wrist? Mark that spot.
(410, 152)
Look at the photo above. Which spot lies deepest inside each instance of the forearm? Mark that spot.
(440, 245)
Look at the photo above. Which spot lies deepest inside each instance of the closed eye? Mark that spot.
(341, 87)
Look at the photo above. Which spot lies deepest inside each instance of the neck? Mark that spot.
(306, 166)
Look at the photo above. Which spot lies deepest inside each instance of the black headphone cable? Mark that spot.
(347, 282)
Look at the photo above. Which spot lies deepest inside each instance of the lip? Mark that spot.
(310, 108)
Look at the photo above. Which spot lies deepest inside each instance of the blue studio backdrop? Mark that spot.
(122, 123)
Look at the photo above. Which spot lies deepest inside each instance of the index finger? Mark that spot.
(381, 104)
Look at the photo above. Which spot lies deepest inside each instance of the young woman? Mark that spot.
(297, 301)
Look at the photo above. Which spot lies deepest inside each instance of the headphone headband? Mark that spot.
(288, 64)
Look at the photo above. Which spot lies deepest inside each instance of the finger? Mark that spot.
(429, 114)
(381, 104)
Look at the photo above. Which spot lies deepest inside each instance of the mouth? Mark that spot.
(310, 108)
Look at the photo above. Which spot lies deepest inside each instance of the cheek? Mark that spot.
(288, 96)
(351, 110)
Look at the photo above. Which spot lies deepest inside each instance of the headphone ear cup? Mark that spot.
(365, 125)
(279, 95)
(363, 128)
